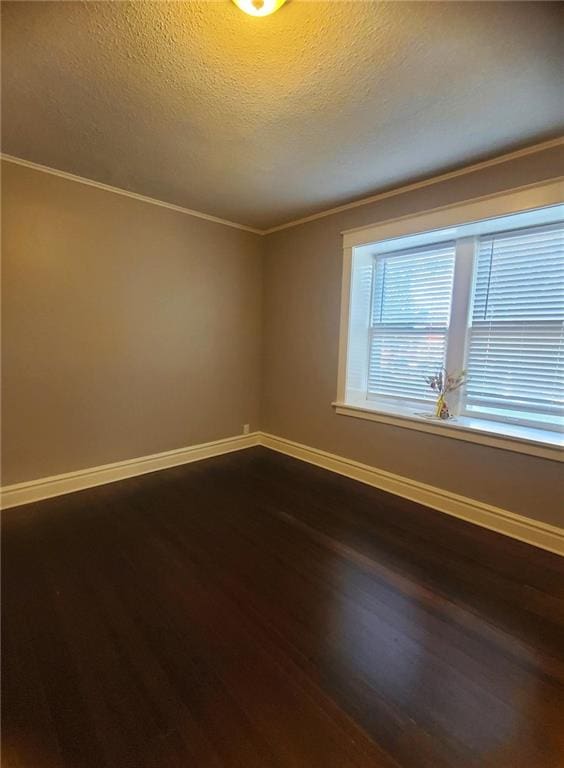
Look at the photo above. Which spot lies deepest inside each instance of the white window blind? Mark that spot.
(411, 297)
(358, 326)
(516, 346)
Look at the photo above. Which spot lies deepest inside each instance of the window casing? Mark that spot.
(489, 300)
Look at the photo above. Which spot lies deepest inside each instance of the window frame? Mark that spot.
(503, 433)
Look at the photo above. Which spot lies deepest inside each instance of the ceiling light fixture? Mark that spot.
(259, 7)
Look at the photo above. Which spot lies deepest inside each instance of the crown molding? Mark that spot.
(127, 193)
(507, 157)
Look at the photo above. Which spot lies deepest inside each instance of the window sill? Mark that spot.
(535, 442)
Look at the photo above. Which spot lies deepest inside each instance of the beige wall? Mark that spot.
(302, 285)
(128, 329)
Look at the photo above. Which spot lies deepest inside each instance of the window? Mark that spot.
(486, 297)
(516, 346)
(410, 314)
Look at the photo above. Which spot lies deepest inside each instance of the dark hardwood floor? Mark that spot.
(254, 611)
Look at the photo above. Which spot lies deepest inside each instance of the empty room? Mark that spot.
(282, 384)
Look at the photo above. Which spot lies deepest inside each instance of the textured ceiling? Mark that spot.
(264, 120)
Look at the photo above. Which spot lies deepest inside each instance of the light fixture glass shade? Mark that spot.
(259, 7)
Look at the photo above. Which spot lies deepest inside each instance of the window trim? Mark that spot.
(538, 442)
(547, 444)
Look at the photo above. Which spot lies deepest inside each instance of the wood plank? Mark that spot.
(252, 610)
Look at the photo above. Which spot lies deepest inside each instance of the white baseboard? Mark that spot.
(47, 487)
(500, 520)
(508, 523)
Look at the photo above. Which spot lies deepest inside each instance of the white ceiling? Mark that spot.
(262, 121)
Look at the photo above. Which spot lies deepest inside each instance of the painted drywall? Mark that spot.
(302, 290)
(128, 329)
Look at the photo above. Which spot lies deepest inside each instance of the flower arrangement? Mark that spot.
(442, 383)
